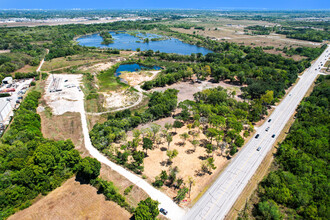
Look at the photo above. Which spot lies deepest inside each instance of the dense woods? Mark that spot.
(299, 188)
(30, 164)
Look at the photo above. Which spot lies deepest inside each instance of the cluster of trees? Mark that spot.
(299, 188)
(161, 104)
(310, 52)
(107, 37)
(221, 118)
(31, 164)
(241, 65)
(305, 34)
(260, 30)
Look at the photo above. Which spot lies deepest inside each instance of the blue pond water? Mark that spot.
(122, 40)
(133, 67)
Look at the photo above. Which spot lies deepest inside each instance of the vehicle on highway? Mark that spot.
(257, 136)
(273, 135)
(259, 148)
(267, 129)
(269, 120)
(163, 211)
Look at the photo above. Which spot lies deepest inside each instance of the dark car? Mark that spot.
(257, 136)
(269, 120)
(273, 135)
(163, 211)
(259, 148)
(267, 129)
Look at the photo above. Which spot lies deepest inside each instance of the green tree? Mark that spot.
(195, 143)
(171, 154)
(88, 169)
(169, 139)
(181, 194)
(146, 210)
(147, 144)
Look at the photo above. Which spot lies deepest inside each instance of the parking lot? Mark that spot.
(63, 93)
(16, 89)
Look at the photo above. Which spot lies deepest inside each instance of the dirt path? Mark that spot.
(174, 211)
(140, 94)
(72, 100)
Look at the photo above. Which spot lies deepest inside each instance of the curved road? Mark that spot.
(174, 211)
(221, 196)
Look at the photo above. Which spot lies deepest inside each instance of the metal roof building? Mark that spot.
(5, 110)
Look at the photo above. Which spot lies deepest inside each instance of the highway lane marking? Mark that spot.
(308, 78)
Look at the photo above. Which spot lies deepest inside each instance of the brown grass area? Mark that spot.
(250, 191)
(134, 197)
(188, 163)
(223, 29)
(63, 127)
(73, 201)
(75, 60)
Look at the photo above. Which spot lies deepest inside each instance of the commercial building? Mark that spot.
(7, 80)
(5, 110)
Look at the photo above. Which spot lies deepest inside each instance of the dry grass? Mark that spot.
(223, 29)
(75, 60)
(188, 161)
(73, 200)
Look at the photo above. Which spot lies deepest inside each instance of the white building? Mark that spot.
(5, 111)
(7, 80)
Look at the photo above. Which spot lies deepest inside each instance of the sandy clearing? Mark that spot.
(115, 100)
(188, 89)
(189, 164)
(67, 100)
(74, 100)
(136, 78)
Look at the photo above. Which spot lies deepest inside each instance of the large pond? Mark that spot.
(134, 67)
(123, 40)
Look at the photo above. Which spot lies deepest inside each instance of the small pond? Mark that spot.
(134, 67)
(123, 40)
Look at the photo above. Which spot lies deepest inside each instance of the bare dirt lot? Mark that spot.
(73, 201)
(188, 161)
(188, 89)
(118, 99)
(136, 78)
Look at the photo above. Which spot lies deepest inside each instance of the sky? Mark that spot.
(158, 4)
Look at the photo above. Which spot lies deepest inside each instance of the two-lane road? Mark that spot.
(221, 196)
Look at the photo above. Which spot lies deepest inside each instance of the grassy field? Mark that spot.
(75, 60)
(108, 81)
(223, 29)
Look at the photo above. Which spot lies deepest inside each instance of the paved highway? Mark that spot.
(221, 196)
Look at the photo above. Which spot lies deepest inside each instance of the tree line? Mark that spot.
(299, 187)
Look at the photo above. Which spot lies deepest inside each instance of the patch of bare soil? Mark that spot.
(188, 161)
(136, 78)
(102, 66)
(188, 89)
(73, 201)
(122, 98)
